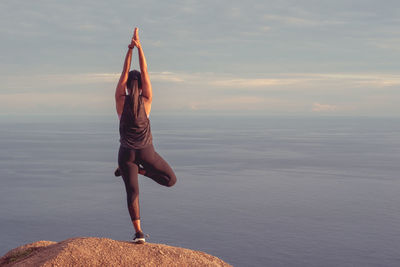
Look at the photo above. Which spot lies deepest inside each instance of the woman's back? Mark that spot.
(135, 132)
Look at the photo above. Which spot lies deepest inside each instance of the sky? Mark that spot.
(311, 57)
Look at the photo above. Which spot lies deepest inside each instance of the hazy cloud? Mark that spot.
(281, 93)
(298, 21)
(280, 56)
(317, 107)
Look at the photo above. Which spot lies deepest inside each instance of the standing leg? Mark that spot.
(129, 171)
(155, 167)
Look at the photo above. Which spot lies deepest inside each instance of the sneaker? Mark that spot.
(139, 238)
(117, 172)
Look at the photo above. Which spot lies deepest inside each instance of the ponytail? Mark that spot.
(135, 75)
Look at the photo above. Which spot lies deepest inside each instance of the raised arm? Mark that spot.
(147, 92)
(120, 90)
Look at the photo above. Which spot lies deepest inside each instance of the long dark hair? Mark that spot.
(134, 75)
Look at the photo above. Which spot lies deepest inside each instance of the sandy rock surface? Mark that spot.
(94, 251)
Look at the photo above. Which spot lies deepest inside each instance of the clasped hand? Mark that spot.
(135, 40)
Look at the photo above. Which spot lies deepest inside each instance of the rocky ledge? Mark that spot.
(94, 251)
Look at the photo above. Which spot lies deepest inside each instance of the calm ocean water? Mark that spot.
(254, 191)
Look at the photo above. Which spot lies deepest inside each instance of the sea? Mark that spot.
(252, 190)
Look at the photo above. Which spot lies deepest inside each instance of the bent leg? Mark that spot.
(129, 171)
(155, 167)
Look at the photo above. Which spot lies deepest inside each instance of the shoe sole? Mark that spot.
(139, 241)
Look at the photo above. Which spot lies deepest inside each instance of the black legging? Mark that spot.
(155, 168)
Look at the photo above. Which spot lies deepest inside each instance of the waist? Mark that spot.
(128, 147)
(136, 140)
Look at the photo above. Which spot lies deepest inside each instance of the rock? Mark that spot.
(94, 251)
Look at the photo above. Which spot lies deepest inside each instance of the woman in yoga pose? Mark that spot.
(133, 97)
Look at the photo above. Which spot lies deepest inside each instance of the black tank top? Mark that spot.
(134, 132)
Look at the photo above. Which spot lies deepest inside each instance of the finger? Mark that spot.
(135, 35)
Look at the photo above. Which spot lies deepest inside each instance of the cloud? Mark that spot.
(317, 107)
(34, 82)
(243, 104)
(87, 27)
(376, 80)
(298, 21)
(281, 93)
(265, 28)
(386, 43)
(228, 102)
(166, 77)
(41, 82)
(54, 102)
(255, 82)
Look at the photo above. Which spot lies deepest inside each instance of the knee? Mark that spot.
(123, 168)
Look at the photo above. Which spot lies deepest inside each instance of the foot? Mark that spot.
(117, 172)
(139, 238)
(142, 171)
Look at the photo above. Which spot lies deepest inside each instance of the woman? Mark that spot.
(133, 97)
